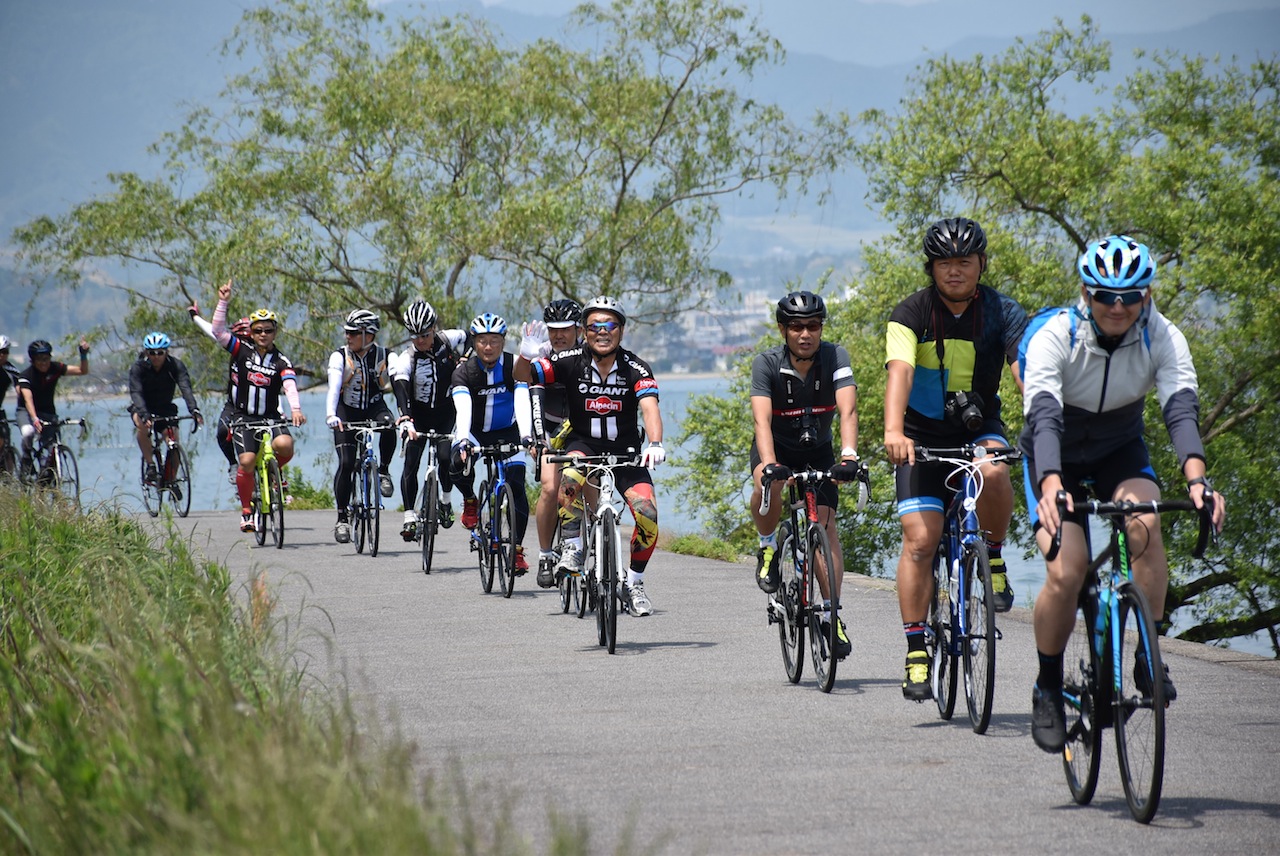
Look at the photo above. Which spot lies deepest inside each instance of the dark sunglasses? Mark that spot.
(1110, 298)
(256, 330)
(811, 327)
(4, 350)
(603, 326)
(156, 353)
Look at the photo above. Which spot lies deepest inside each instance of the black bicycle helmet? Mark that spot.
(562, 313)
(39, 346)
(954, 238)
(800, 304)
(362, 321)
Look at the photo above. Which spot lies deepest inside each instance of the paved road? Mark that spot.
(692, 734)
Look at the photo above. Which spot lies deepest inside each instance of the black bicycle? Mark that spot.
(170, 461)
(1113, 676)
(430, 519)
(805, 559)
(55, 468)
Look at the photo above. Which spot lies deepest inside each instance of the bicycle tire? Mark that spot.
(942, 672)
(66, 474)
(1082, 756)
(790, 608)
(260, 491)
(583, 586)
(504, 540)
(1138, 716)
(182, 480)
(481, 536)
(8, 458)
(428, 519)
(275, 516)
(359, 518)
(375, 512)
(822, 644)
(980, 636)
(610, 551)
(151, 495)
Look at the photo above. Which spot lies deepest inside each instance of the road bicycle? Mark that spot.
(8, 457)
(798, 604)
(170, 462)
(1100, 687)
(429, 502)
(494, 538)
(601, 540)
(267, 503)
(55, 466)
(961, 631)
(366, 493)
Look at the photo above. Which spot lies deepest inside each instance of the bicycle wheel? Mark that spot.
(822, 643)
(481, 536)
(151, 495)
(180, 489)
(261, 497)
(788, 605)
(938, 642)
(275, 517)
(8, 460)
(1139, 704)
(1080, 670)
(504, 540)
(610, 550)
(359, 511)
(374, 508)
(66, 474)
(980, 636)
(428, 520)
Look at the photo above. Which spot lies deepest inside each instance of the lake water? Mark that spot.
(109, 468)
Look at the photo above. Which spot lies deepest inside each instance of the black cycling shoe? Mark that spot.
(1142, 678)
(1048, 720)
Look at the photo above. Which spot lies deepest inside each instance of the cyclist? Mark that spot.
(558, 331)
(608, 388)
(240, 329)
(420, 379)
(946, 348)
(797, 388)
(492, 407)
(1086, 386)
(153, 378)
(259, 373)
(359, 374)
(36, 387)
(8, 380)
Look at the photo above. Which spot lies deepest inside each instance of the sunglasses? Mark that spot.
(257, 330)
(603, 326)
(1110, 298)
(4, 351)
(811, 327)
(156, 353)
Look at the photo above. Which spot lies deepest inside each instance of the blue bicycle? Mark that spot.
(494, 539)
(962, 617)
(366, 494)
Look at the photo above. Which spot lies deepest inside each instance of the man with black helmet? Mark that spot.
(797, 389)
(36, 386)
(946, 348)
(556, 332)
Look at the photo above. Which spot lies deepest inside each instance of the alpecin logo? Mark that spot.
(259, 379)
(602, 405)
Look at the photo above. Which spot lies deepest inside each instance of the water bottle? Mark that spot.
(953, 584)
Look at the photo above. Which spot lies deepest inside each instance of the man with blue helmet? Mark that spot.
(153, 378)
(1088, 372)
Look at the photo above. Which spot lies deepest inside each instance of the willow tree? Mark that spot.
(1184, 155)
(362, 162)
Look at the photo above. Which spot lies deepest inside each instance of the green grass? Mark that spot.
(145, 707)
(704, 547)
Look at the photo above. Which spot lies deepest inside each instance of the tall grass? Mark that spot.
(143, 710)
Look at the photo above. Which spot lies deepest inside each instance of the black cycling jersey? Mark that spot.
(151, 391)
(801, 404)
(257, 381)
(604, 412)
(424, 394)
(42, 386)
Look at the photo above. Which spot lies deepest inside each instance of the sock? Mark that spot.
(1050, 678)
(915, 635)
(993, 551)
(635, 578)
(770, 540)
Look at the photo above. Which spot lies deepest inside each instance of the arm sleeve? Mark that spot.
(524, 410)
(291, 393)
(462, 407)
(335, 385)
(221, 334)
(204, 326)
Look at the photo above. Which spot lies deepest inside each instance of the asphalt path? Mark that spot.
(690, 739)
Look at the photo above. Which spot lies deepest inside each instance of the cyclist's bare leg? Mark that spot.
(995, 505)
(921, 531)
(143, 433)
(1146, 545)
(548, 506)
(766, 523)
(282, 445)
(1054, 614)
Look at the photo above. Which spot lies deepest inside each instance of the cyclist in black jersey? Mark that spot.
(946, 348)
(557, 332)
(420, 379)
(153, 379)
(359, 375)
(36, 387)
(797, 389)
(8, 380)
(240, 329)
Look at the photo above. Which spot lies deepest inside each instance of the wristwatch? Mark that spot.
(849, 453)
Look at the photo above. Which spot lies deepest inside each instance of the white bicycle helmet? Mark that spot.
(488, 323)
(362, 321)
(605, 303)
(419, 317)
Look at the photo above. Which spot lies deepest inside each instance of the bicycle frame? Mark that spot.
(486, 539)
(264, 460)
(44, 454)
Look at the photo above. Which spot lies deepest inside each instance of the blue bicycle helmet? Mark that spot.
(155, 341)
(1117, 262)
(488, 323)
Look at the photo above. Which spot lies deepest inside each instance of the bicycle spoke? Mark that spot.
(1082, 756)
(1139, 704)
(980, 636)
